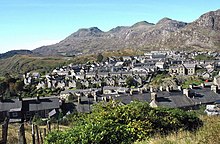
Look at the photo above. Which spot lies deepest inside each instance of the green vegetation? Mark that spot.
(123, 52)
(115, 123)
(100, 57)
(2, 79)
(159, 79)
(191, 81)
(11, 86)
(131, 82)
(21, 64)
(207, 134)
(203, 57)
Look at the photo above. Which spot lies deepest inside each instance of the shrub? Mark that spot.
(115, 123)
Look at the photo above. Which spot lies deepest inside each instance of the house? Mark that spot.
(72, 84)
(114, 90)
(160, 65)
(119, 63)
(183, 69)
(43, 107)
(206, 75)
(216, 80)
(210, 67)
(127, 58)
(190, 69)
(10, 108)
(212, 110)
(177, 69)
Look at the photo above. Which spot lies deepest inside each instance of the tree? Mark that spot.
(130, 81)
(99, 57)
(3, 87)
(79, 85)
(19, 86)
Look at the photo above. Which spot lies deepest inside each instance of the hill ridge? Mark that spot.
(166, 33)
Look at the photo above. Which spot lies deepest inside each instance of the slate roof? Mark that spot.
(173, 99)
(205, 95)
(9, 104)
(44, 103)
(187, 65)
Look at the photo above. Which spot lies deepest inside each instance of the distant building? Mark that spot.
(183, 69)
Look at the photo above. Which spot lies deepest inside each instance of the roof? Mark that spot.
(164, 98)
(44, 103)
(8, 104)
(115, 88)
(189, 65)
(205, 95)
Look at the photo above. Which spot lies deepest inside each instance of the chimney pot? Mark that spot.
(153, 96)
(186, 92)
(161, 88)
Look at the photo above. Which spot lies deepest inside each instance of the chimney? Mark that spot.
(79, 99)
(214, 88)
(95, 98)
(38, 98)
(191, 86)
(202, 85)
(180, 88)
(153, 96)
(140, 90)
(168, 89)
(161, 88)
(153, 102)
(104, 99)
(131, 92)
(151, 89)
(186, 92)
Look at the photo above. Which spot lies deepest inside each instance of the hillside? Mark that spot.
(207, 134)
(203, 33)
(19, 64)
(15, 52)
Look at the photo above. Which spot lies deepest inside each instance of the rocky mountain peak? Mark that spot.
(86, 32)
(117, 29)
(209, 20)
(164, 20)
(167, 33)
(142, 23)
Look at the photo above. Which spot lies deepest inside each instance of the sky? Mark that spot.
(28, 24)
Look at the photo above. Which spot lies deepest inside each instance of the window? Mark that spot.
(14, 114)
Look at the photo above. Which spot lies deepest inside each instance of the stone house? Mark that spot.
(183, 69)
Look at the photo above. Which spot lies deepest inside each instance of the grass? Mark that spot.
(159, 79)
(2, 78)
(203, 57)
(21, 64)
(13, 132)
(123, 52)
(207, 134)
(192, 80)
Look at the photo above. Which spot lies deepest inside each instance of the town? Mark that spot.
(163, 78)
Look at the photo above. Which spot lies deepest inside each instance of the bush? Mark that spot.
(123, 124)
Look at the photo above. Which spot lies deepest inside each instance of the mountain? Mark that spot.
(203, 33)
(15, 52)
